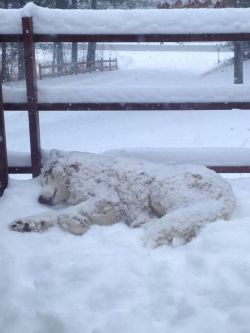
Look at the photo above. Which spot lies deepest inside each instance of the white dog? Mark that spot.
(175, 201)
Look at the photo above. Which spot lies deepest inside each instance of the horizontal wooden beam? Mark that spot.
(11, 38)
(219, 169)
(137, 38)
(197, 106)
(231, 169)
(20, 170)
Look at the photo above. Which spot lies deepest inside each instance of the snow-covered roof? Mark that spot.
(144, 21)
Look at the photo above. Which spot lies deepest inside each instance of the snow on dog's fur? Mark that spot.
(170, 202)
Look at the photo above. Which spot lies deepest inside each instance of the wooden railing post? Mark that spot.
(3, 149)
(31, 84)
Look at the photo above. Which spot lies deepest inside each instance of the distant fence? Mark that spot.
(142, 47)
(53, 70)
(28, 38)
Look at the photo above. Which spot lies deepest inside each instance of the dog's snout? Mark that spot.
(44, 200)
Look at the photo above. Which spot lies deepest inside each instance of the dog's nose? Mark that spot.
(45, 201)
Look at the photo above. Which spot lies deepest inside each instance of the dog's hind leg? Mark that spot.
(182, 225)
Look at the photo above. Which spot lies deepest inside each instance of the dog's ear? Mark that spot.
(60, 172)
(55, 154)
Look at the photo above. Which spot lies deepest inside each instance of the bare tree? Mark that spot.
(91, 53)
(238, 55)
(58, 47)
(74, 55)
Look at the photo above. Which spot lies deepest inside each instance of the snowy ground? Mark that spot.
(106, 281)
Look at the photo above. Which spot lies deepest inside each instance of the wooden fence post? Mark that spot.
(31, 84)
(3, 149)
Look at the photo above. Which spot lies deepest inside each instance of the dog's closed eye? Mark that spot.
(54, 194)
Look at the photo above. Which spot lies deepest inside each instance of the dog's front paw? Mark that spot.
(75, 224)
(28, 225)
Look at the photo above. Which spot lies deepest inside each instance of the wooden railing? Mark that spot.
(28, 38)
(53, 70)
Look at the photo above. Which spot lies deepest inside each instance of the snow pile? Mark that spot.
(18, 159)
(56, 21)
(145, 94)
(14, 94)
(201, 156)
(132, 94)
(170, 156)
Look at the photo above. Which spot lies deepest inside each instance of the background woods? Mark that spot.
(59, 55)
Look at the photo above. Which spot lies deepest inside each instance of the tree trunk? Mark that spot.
(238, 62)
(54, 59)
(4, 63)
(91, 46)
(74, 54)
(62, 4)
(59, 57)
(20, 62)
(238, 55)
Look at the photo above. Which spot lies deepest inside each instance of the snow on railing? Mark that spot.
(187, 155)
(132, 94)
(138, 21)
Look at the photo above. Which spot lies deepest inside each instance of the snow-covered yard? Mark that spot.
(106, 281)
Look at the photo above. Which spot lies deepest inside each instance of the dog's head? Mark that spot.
(65, 177)
(54, 184)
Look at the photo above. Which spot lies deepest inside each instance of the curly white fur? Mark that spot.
(175, 201)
